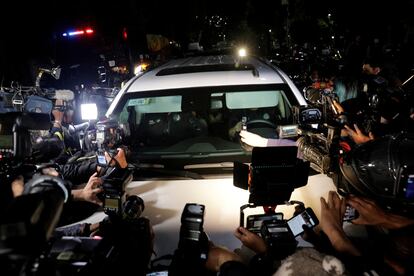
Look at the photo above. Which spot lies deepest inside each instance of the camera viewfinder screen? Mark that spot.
(111, 203)
(6, 141)
(295, 224)
(254, 223)
(409, 191)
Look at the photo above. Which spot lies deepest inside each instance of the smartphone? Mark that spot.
(350, 213)
(254, 222)
(244, 123)
(307, 217)
(100, 158)
(409, 190)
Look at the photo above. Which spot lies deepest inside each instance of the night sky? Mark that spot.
(28, 29)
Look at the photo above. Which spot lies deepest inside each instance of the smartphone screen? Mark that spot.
(100, 157)
(244, 123)
(409, 191)
(350, 213)
(158, 273)
(254, 222)
(305, 218)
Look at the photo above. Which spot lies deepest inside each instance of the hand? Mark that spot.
(332, 213)
(58, 115)
(90, 191)
(250, 240)
(371, 214)
(358, 136)
(338, 107)
(17, 186)
(119, 157)
(218, 256)
(252, 139)
(235, 129)
(50, 172)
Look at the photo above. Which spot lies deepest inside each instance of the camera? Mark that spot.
(271, 178)
(279, 239)
(108, 134)
(28, 223)
(122, 244)
(114, 181)
(319, 135)
(254, 222)
(21, 146)
(106, 137)
(274, 173)
(193, 245)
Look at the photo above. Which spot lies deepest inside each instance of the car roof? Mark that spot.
(207, 71)
(203, 71)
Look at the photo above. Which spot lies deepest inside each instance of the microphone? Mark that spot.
(62, 94)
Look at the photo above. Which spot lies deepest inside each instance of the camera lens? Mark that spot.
(133, 206)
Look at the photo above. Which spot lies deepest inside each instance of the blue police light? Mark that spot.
(76, 33)
(87, 31)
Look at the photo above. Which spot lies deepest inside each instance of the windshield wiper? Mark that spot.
(168, 172)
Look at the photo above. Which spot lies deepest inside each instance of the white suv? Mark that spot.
(183, 119)
(189, 110)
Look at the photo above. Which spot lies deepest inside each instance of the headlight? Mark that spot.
(242, 52)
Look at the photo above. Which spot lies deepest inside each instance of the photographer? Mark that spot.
(79, 172)
(86, 196)
(63, 117)
(87, 193)
(391, 235)
(318, 261)
(226, 262)
(384, 106)
(389, 248)
(333, 241)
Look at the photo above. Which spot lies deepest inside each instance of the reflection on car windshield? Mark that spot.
(201, 121)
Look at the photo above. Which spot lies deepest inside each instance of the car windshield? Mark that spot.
(202, 125)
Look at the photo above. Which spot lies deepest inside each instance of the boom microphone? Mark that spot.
(61, 94)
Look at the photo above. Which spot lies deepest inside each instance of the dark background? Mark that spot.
(29, 31)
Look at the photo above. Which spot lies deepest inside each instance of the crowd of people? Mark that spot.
(387, 249)
(389, 246)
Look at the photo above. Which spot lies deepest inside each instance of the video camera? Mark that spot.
(384, 102)
(319, 128)
(271, 178)
(20, 144)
